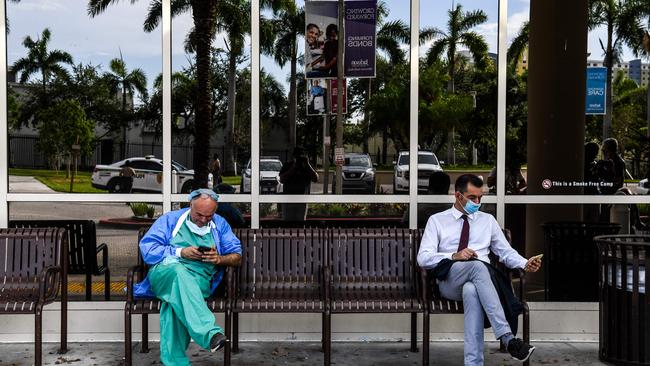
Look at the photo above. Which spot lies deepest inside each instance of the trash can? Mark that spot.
(571, 259)
(624, 307)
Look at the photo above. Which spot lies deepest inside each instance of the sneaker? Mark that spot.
(520, 350)
(217, 342)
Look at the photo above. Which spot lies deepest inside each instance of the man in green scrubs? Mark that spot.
(188, 250)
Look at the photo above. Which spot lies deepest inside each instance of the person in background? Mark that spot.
(438, 184)
(127, 173)
(215, 169)
(296, 176)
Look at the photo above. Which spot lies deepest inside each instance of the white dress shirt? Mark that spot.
(442, 234)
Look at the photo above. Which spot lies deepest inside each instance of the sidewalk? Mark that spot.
(20, 184)
(303, 354)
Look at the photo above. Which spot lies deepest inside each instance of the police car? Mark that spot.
(148, 175)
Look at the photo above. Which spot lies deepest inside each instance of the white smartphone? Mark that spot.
(536, 257)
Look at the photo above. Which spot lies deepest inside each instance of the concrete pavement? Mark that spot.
(303, 354)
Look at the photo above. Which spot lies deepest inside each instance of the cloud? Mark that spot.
(41, 6)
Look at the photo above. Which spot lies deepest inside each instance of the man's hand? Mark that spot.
(533, 264)
(464, 255)
(211, 256)
(192, 253)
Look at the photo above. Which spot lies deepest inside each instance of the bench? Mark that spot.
(436, 304)
(375, 271)
(283, 271)
(33, 272)
(82, 249)
(146, 306)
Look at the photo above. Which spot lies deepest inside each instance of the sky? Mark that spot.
(100, 39)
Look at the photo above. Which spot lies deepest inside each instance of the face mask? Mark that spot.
(471, 207)
(200, 231)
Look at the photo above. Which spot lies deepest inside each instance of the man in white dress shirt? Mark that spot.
(462, 234)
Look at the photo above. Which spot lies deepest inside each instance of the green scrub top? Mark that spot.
(185, 238)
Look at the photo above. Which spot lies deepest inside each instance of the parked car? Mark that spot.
(148, 175)
(427, 164)
(269, 175)
(358, 174)
(643, 187)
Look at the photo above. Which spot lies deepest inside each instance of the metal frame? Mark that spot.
(255, 199)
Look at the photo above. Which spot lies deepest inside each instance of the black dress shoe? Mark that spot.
(217, 342)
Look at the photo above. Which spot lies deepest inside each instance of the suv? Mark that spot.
(269, 175)
(427, 164)
(148, 175)
(358, 174)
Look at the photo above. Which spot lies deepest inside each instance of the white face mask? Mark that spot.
(200, 231)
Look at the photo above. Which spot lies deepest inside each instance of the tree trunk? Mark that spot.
(451, 148)
(204, 13)
(609, 63)
(123, 143)
(293, 98)
(384, 146)
(366, 119)
(228, 163)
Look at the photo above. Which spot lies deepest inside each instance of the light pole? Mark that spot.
(339, 96)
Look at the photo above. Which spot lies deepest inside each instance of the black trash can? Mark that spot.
(624, 306)
(571, 259)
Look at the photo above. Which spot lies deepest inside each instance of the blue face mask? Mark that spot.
(471, 207)
(200, 231)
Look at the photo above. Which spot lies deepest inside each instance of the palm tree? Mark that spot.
(233, 19)
(126, 82)
(280, 40)
(519, 44)
(39, 58)
(459, 32)
(623, 22)
(204, 14)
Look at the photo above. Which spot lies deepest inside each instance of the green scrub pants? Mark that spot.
(183, 313)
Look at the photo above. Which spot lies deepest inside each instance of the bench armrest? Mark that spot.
(49, 283)
(130, 280)
(521, 275)
(104, 249)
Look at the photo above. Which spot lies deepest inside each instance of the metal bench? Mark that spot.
(82, 249)
(436, 304)
(146, 306)
(283, 270)
(34, 269)
(375, 271)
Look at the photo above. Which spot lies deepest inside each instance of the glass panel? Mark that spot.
(116, 225)
(79, 103)
(334, 214)
(560, 144)
(298, 97)
(212, 138)
(458, 94)
(563, 233)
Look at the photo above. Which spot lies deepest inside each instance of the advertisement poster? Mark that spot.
(317, 97)
(321, 39)
(596, 90)
(334, 96)
(360, 37)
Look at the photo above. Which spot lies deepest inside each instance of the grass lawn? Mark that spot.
(232, 180)
(57, 180)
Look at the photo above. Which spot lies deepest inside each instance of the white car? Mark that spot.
(269, 176)
(427, 164)
(642, 188)
(148, 175)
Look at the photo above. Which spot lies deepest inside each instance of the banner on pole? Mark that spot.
(334, 88)
(321, 39)
(360, 38)
(596, 90)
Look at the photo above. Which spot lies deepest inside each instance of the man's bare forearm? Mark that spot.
(231, 260)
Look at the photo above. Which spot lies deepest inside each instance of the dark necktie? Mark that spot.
(464, 235)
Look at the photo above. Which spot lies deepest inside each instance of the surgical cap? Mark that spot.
(208, 192)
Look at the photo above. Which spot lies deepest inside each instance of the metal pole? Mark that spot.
(326, 149)
(339, 96)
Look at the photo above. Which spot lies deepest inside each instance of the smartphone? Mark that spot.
(536, 257)
(204, 249)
